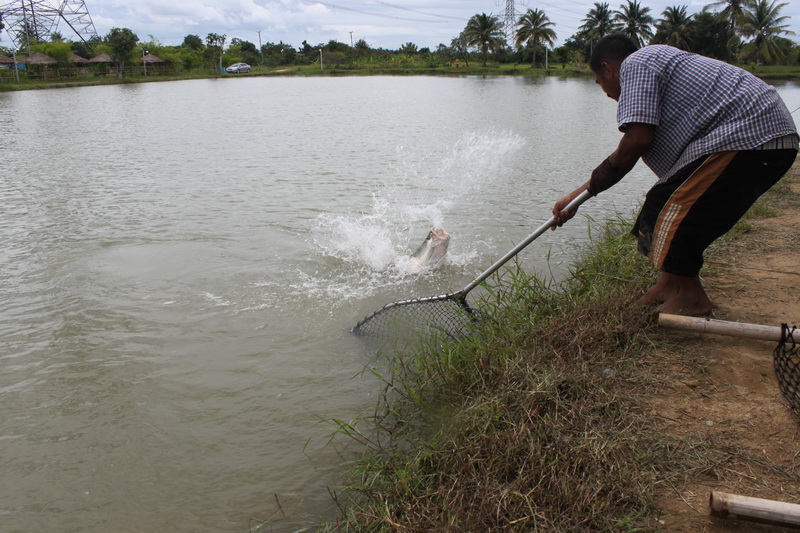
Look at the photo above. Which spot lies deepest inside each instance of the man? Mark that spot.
(716, 137)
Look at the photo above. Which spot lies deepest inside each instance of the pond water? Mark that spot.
(182, 263)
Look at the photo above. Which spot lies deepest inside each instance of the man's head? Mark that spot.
(608, 55)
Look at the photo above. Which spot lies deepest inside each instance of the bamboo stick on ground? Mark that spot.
(721, 327)
(746, 508)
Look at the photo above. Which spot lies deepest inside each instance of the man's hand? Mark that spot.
(559, 214)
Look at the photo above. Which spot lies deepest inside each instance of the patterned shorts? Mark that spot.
(682, 216)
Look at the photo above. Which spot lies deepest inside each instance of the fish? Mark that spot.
(432, 251)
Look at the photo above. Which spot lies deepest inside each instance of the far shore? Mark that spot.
(6, 84)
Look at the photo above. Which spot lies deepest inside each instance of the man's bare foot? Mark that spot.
(680, 295)
(681, 306)
(666, 287)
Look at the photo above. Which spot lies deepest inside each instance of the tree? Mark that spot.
(763, 22)
(576, 49)
(732, 11)
(535, 28)
(599, 22)
(215, 44)
(244, 51)
(307, 52)
(674, 28)
(86, 48)
(335, 46)
(58, 50)
(460, 47)
(409, 48)
(710, 36)
(122, 42)
(278, 54)
(245, 46)
(484, 32)
(635, 22)
(193, 42)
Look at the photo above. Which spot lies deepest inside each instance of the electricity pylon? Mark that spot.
(31, 21)
(510, 21)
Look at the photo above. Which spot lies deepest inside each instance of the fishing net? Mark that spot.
(447, 314)
(787, 366)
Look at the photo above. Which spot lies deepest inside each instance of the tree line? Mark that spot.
(731, 30)
(747, 31)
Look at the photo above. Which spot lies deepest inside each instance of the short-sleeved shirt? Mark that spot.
(699, 106)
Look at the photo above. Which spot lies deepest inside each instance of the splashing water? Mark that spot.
(420, 192)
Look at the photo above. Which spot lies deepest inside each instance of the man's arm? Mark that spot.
(635, 142)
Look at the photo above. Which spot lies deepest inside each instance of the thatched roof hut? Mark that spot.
(5, 60)
(78, 60)
(102, 58)
(40, 59)
(150, 58)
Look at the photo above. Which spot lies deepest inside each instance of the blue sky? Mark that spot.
(382, 24)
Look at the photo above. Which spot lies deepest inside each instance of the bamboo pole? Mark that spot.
(734, 506)
(722, 327)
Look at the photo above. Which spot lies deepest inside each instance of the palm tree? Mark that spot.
(763, 22)
(599, 22)
(674, 28)
(635, 22)
(732, 10)
(485, 32)
(535, 28)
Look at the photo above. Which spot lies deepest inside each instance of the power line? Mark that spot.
(361, 11)
(387, 4)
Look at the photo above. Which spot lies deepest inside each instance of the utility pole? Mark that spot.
(351, 39)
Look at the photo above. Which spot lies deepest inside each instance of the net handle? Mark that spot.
(573, 205)
(721, 327)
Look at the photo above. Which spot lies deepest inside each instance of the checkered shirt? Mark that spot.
(699, 106)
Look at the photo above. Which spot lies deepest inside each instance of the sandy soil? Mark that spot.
(729, 397)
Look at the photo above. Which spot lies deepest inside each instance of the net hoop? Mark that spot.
(450, 314)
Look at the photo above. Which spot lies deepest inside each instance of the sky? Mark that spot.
(381, 24)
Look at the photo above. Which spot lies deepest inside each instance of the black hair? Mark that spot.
(615, 47)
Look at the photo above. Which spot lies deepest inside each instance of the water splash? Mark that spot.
(421, 191)
(371, 248)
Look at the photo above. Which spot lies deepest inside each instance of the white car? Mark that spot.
(238, 67)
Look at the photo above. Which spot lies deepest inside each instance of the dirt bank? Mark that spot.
(724, 395)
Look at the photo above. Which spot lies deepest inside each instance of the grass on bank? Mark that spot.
(538, 422)
(532, 424)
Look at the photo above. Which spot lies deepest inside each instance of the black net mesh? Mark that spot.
(446, 314)
(787, 366)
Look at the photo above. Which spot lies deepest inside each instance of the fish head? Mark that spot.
(440, 240)
(433, 249)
